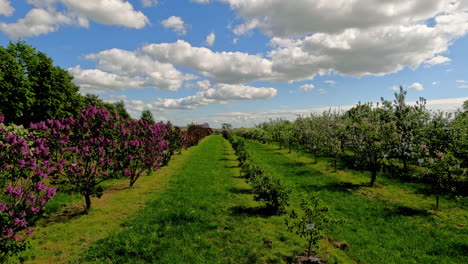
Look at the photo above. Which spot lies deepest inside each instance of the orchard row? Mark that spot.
(76, 155)
(392, 137)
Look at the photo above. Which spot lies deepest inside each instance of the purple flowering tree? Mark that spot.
(142, 147)
(83, 151)
(24, 167)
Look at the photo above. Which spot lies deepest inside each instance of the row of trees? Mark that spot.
(32, 89)
(394, 136)
(76, 155)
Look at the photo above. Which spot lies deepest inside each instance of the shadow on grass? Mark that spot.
(240, 190)
(405, 211)
(65, 215)
(261, 211)
(231, 167)
(343, 187)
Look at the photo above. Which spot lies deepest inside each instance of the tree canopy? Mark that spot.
(32, 89)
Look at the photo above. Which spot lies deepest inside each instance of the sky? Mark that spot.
(245, 61)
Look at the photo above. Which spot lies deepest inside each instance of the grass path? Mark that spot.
(60, 237)
(206, 215)
(382, 226)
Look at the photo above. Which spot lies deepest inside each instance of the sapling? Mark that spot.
(309, 224)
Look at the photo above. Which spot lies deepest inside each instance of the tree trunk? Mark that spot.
(88, 203)
(373, 177)
(437, 201)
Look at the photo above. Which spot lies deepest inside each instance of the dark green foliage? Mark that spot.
(32, 89)
(94, 100)
(120, 110)
(272, 191)
(147, 116)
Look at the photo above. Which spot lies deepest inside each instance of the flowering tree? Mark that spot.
(24, 167)
(142, 146)
(442, 170)
(83, 151)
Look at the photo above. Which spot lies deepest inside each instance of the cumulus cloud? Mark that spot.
(5, 8)
(210, 39)
(97, 81)
(353, 52)
(437, 60)
(109, 12)
(416, 86)
(307, 87)
(301, 17)
(219, 94)
(203, 85)
(346, 37)
(45, 18)
(36, 22)
(222, 67)
(162, 76)
(175, 24)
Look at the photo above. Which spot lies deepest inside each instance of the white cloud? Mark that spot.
(36, 22)
(203, 85)
(200, 1)
(435, 83)
(222, 67)
(437, 60)
(330, 82)
(395, 88)
(234, 40)
(322, 91)
(353, 52)
(307, 87)
(46, 19)
(175, 24)
(210, 39)
(461, 81)
(155, 74)
(416, 86)
(463, 86)
(109, 12)
(5, 8)
(149, 3)
(246, 28)
(219, 94)
(97, 81)
(346, 37)
(301, 17)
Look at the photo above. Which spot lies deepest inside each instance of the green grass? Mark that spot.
(390, 224)
(206, 215)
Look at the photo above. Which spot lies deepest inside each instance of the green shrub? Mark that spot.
(272, 191)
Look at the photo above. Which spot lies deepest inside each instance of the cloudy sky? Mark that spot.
(245, 61)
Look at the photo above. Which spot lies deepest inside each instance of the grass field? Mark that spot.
(198, 210)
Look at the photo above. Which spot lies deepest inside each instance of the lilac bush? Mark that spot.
(24, 168)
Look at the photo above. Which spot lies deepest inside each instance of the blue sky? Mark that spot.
(245, 61)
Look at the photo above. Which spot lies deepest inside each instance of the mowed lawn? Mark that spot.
(205, 215)
(391, 223)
